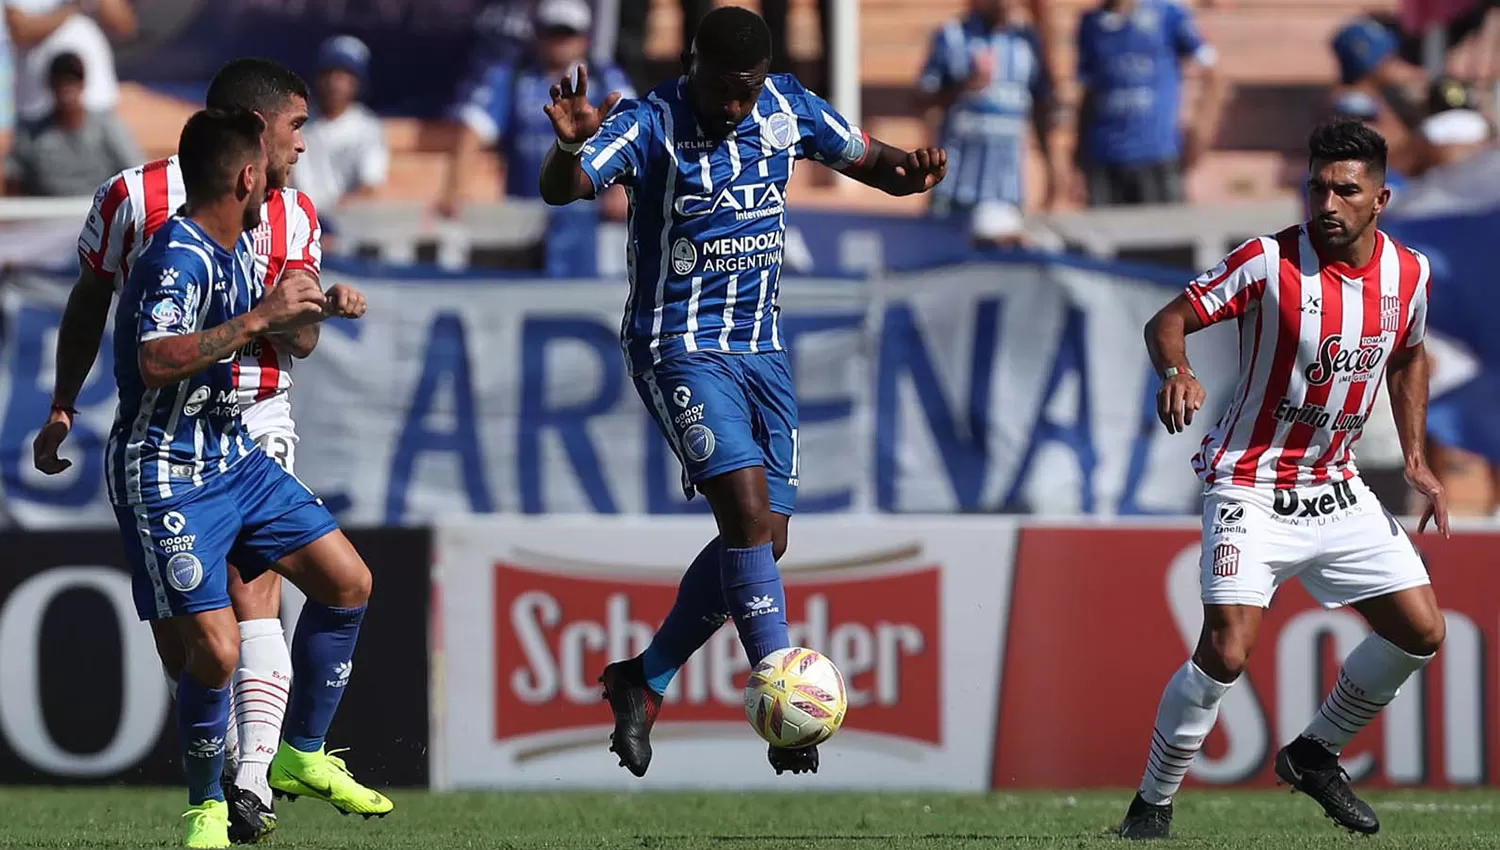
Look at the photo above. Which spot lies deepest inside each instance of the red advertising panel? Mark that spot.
(1101, 617)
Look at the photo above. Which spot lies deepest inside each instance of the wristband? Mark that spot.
(1173, 371)
(570, 148)
(63, 408)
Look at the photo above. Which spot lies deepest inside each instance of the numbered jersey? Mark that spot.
(130, 207)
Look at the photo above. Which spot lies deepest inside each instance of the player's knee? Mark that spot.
(1223, 656)
(259, 599)
(1427, 636)
(354, 589)
(213, 657)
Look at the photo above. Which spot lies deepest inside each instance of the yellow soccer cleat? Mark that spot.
(324, 776)
(208, 825)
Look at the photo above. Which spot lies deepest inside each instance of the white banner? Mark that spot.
(980, 388)
(530, 611)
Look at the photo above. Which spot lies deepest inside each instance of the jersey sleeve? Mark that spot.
(1187, 39)
(826, 136)
(937, 71)
(1416, 326)
(172, 289)
(484, 103)
(304, 237)
(1227, 290)
(110, 222)
(614, 80)
(618, 151)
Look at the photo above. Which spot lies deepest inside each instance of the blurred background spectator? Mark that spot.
(635, 18)
(346, 155)
(73, 149)
(1134, 148)
(987, 82)
(504, 105)
(42, 29)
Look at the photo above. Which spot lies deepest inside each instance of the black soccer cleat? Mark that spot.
(1328, 784)
(635, 707)
(250, 820)
(1147, 822)
(800, 760)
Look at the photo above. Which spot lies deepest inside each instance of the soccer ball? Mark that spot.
(795, 698)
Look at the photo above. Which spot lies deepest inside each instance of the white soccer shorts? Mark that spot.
(1336, 538)
(270, 425)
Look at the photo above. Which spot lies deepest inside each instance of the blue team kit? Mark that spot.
(191, 490)
(708, 216)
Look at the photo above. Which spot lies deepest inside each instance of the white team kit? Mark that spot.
(129, 208)
(1283, 498)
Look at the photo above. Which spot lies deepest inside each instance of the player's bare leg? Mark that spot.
(1408, 631)
(1189, 706)
(261, 686)
(337, 583)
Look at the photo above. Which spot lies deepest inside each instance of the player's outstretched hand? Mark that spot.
(295, 302)
(1425, 482)
(922, 169)
(49, 440)
(344, 302)
(1178, 399)
(573, 118)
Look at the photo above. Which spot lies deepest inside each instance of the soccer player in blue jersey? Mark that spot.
(705, 160)
(192, 491)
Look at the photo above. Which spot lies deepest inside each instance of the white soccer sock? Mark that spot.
(1369, 679)
(261, 685)
(1188, 708)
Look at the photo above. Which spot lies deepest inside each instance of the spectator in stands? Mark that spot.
(73, 149)
(504, 106)
(1133, 148)
(42, 29)
(630, 50)
(1454, 128)
(346, 153)
(986, 73)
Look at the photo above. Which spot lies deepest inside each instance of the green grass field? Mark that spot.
(117, 818)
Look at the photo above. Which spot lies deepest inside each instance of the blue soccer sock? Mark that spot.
(756, 600)
(322, 658)
(695, 616)
(202, 724)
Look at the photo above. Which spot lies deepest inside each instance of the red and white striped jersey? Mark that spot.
(1315, 338)
(130, 206)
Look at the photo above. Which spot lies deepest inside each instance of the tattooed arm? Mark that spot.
(172, 348)
(167, 360)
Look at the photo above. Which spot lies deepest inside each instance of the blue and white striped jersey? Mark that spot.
(708, 215)
(985, 131)
(168, 442)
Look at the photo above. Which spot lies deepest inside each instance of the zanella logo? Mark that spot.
(1358, 364)
(554, 632)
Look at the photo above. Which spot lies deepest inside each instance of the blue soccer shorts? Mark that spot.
(251, 516)
(722, 412)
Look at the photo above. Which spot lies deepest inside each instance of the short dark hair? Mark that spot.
(1347, 139)
(733, 38)
(65, 66)
(254, 85)
(215, 145)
